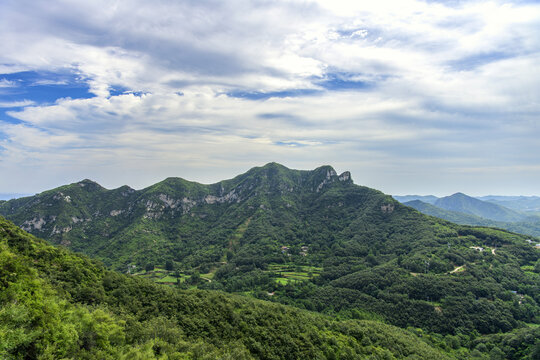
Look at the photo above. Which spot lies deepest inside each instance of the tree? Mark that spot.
(195, 278)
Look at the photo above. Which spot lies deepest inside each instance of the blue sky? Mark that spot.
(425, 97)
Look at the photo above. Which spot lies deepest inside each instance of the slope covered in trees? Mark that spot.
(55, 304)
(348, 251)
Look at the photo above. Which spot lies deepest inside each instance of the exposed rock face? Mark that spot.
(61, 196)
(330, 177)
(61, 230)
(330, 173)
(127, 191)
(153, 210)
(170, 202)
(187, 204)
(36, 223)
(387, 208)
(230, 197)
(346, 176)
(116, 212)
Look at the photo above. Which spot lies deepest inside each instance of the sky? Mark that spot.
(412, 97)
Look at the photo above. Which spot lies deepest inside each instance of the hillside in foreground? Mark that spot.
(56, 304)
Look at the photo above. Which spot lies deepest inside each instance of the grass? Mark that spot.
(168, 279)
(287, 273)
(239, 234)
(162, 276)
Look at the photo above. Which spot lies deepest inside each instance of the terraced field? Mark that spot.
(287, 273)
(284, 274)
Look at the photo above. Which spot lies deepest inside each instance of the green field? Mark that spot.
(284, 274)
(169, 278)
(287, 273)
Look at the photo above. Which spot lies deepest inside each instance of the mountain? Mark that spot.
(518, 203)
(529, 226)
(311, 239)
(430, 199)
(178, 219)
(453, 216)
(58, 305)
(460, 202)
(8, 196)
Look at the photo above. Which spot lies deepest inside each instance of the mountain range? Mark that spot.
(309, 239)
(467, 210)
(462, 203)
(519, 203)
(175, 217)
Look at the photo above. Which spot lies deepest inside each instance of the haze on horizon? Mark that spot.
(412, 97)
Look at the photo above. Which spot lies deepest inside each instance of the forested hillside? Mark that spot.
(311, 239)
(55, 304)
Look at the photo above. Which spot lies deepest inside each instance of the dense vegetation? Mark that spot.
(55, 304)
(311, 239)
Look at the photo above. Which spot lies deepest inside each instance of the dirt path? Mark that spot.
(459, 268)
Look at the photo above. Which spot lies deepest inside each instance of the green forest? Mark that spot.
(273, 264)
(55, 304)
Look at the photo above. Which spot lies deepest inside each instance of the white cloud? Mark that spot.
(7, 83)
(12, 104)
(442, 82)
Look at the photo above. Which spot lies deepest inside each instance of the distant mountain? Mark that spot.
(529, 226)
(430, 199)
(453, 216)
(466, 204)
(518, 203)
(9, 196)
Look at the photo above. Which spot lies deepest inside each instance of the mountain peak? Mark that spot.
(460, 194)
(274, 164)
(89, 185)
(466, 204)
(86, 182)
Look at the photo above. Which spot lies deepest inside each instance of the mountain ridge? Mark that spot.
(466, 204)
(312, 239)
(59, 213)
(529, 226)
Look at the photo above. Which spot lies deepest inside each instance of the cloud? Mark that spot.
(15, 104)
(398, 91)
(4, 83)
